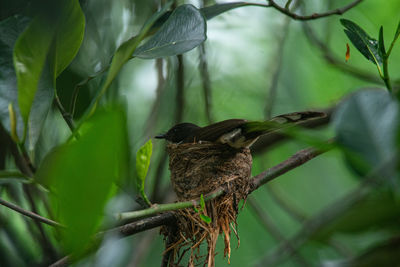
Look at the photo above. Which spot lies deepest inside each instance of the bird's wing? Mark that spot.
(212, 132)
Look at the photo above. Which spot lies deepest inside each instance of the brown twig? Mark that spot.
(152, 118)
(66, 116)
(180, 89)
(205, 81)
(127, 230)
(30, 214)
(338, 11)
(155, 195)
(278, 67)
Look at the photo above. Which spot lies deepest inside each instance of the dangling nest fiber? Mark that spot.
(200, 168)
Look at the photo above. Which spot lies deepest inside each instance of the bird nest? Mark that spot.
(198, 169)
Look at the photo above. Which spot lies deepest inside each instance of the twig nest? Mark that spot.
(200, 168)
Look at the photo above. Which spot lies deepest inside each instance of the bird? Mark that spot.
(237, 133)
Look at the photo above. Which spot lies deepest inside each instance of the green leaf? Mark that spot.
(30, 55)
(366, 124)
(205, 218)
(69, 35)
(367, 45)
(184, 30)
(81, 174)
(202, 203)
(124, 53)
(10, 29)
(41, 53)
(382, 49)
(143, 157)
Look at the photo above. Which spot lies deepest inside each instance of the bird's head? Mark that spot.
(179, 132)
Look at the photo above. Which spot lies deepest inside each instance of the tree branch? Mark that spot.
(30, 214)
(338, 11)
(167, 217)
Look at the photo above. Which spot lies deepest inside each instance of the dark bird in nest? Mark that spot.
(237, 133)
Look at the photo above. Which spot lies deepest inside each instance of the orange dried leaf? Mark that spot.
(347, 52)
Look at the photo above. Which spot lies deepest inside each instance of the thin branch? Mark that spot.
(155, 195)
(66, 116)
(205, 81)
(126, 230)
(338, 11)
(278, 67)
(294, 161)
(152, 118)
(30, 214)
(180, 89)
(159, 208)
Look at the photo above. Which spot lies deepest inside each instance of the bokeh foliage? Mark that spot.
(91, 81)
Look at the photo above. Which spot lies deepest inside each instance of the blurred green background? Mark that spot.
(260, 64)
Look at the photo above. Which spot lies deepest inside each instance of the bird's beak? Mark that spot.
(160, 136)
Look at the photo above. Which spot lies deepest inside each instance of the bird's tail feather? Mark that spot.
(281, 121)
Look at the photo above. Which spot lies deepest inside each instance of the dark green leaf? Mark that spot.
(382, 49)
(396, 35)
(10, 29)
(210, 12)
(205, 218)
(125, 51)
(366, 124)
(81, 174)
(30, 55)
(69, 36)
(184, 30)
(41, 53)
(367, 45)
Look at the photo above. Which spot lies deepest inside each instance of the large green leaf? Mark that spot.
(366, 124)
(367, 45)
(184, 30)
(41, 53)
(10, 29)
(125, 51)
(81, 174)
(69, 35)
(30, 54)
